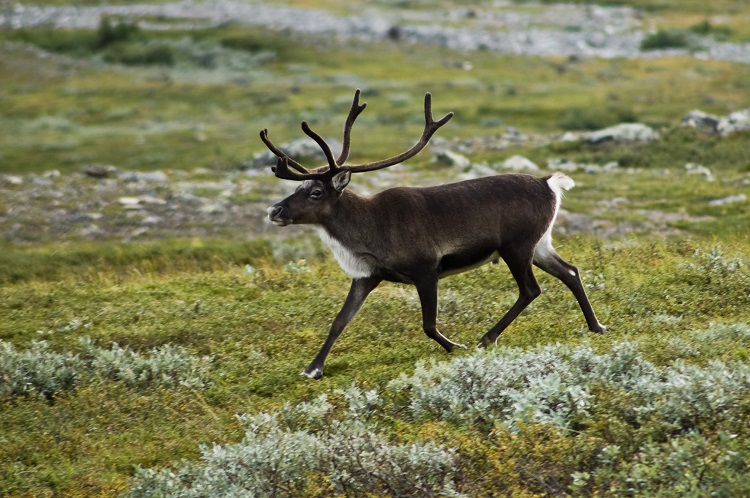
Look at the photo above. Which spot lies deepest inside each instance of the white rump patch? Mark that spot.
(558, 182)
(353, 265)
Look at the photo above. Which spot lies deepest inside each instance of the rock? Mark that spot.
(701, 120)
(477, 171)
(519, 164)
(214, 208)
(728, 200)
(101, 170)
(453, 159)
(569, 136)
(624, 132)
(737, 121)
(11, 179)
(699, 169)
(130, 202)
(563, 164)
(144, 176)
(298, 149)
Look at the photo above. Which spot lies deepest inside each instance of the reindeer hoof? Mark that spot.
(314, 373)
(485, 343)
(599, 329)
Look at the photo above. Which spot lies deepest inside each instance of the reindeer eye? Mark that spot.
(316, 193)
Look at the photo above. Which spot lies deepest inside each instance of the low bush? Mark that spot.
(595, 118)
(40, 370)
(664, 39)
(136, 54)
(553, 419)
(310, 449)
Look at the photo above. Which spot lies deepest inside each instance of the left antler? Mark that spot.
(335, 165)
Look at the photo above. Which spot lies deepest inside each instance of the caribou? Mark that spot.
(417, 236)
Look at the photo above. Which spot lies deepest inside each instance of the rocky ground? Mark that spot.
(557, 29)
(105, 202)
(102, 201)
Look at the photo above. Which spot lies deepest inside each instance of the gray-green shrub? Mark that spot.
(38, 369)
(304, 447)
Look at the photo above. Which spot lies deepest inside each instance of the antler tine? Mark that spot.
(431, 126)
(282, 171)
(355, 111)
(280, 154)
(332, 166)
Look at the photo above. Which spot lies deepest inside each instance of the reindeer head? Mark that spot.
(322, 187)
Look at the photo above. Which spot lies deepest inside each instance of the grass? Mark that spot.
(263, 328)
(181, 117)
(261, 312)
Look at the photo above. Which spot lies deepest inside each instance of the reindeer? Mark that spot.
(419, 235)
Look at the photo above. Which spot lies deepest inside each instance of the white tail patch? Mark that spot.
(558, 182)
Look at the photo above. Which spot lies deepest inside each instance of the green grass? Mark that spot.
(181, 117)
(263, 328)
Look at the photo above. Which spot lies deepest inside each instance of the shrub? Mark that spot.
(310, 449)
(167, 366)
(132, 54)
(48, 373)
(37, 369)
(75, 42)
(550, 420)
(706, 28)
(556, 385)
(665, 39)
(595, 118)
(119, 31)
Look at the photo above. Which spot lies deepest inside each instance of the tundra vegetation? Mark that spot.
(145, 358)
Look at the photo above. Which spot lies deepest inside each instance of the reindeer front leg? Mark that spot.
(427, 288)
(360, 289)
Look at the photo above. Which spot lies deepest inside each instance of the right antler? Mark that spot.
(430, 127)
(336, 165)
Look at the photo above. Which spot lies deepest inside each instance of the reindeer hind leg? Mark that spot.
(546, 258)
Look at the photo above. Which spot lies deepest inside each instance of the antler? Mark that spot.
(283, 171)
(353, 113)
(430, 127)
(282, 164)
(278, 152)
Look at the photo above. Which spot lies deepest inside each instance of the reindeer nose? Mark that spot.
(274, 211)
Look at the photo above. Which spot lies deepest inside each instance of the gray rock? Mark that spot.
(737, 121)
(699, 169)
(624, 132)
(477, 171)
(701, 120)
(562, 164)
(299, 149)
(101, 171)
(11, 179)
(145, 176)
(519, 164)
(453, 159)
(728, 200)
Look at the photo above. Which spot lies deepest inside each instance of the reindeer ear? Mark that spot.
(341, 180)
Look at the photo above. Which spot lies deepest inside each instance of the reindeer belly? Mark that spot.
(450, 264)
